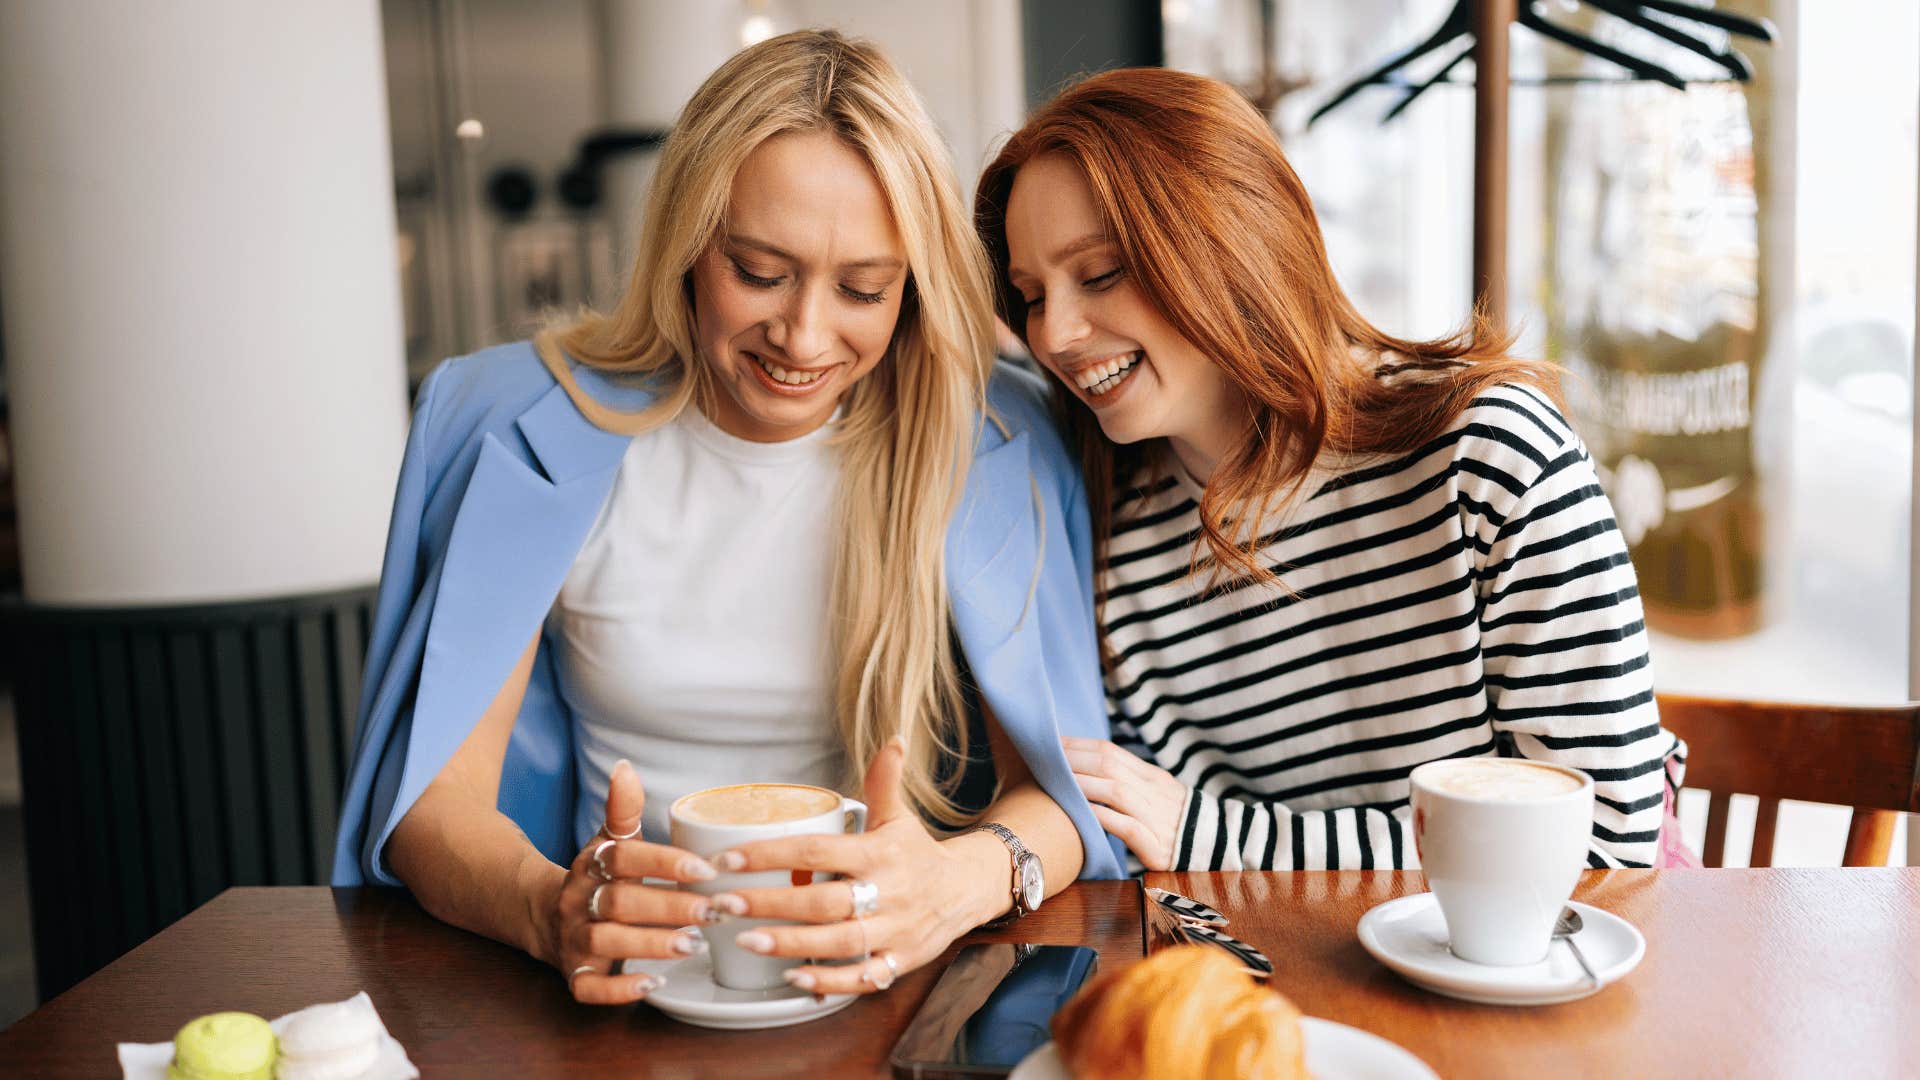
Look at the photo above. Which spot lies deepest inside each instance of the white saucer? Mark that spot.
(1334, 1052)
(692, 997)
(1409, 936)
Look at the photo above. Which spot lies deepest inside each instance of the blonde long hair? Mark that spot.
(907, 428)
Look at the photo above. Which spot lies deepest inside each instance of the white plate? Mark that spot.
(1409, 935)
(691, 996)
(1334, 1052)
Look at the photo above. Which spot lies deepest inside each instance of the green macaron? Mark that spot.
(223, 1046)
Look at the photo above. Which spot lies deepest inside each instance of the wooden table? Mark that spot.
(466, 1006)
(1747, 973)
(1764, 973)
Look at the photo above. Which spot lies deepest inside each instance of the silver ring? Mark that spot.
(593, 904)
(893, 970)
(583, 969)
(607, 831)
(599, 867)
(866, 897)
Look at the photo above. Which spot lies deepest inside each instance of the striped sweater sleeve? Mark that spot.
(1228, 833)
(1225, 833)
(1563, 637)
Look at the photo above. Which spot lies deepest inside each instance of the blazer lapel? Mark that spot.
(993, 551)
(513, 540)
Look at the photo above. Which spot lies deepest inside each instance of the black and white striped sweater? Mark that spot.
(1472, 597)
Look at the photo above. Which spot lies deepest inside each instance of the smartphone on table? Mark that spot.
(991, 1008)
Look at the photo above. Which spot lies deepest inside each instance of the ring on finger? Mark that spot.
(583, 969)
(893, 970)
(593, 903)
(599, 868)
(865, 895)
(606, 830)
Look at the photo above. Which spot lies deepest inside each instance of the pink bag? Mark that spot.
(1674, 851)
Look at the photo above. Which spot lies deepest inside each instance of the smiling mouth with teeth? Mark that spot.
(788, 376)
(1102, 378)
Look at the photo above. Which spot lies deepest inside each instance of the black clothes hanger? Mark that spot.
(1459, 24)
(1628, 11)
(1458, 21)
(1758, 29)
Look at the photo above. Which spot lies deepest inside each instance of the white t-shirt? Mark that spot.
(691, 636)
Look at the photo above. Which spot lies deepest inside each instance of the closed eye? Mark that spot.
(863, 297)
(1105, 281)
(753, 279)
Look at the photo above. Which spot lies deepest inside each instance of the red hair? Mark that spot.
(1219, 235)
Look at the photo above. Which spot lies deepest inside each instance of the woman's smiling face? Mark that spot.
(1090, 325)
(797, 298)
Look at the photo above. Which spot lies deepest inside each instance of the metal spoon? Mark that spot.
(1568, 925)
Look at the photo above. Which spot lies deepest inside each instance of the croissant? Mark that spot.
(1186, 1013)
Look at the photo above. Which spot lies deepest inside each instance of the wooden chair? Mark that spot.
(1864, 758)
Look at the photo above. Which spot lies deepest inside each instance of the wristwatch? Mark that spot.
(1029, 880)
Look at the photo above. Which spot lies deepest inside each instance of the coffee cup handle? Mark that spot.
(855, 813)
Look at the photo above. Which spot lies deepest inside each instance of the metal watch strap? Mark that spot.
(1015, 852)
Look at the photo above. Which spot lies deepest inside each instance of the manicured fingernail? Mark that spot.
(646, 984)
(754, 941)
(696, 870)
(623, 763)
(730, 860)
(685, 945)
(802, 979)
(729, 903)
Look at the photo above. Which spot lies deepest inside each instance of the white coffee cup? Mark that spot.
(717, 819)
(1502, 843)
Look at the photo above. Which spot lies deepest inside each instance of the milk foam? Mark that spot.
(756, 804)
(1499, 778)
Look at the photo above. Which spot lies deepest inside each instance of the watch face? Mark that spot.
(1033, 887)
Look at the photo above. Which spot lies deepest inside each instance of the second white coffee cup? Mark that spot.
(718, 819)
(1502, 843)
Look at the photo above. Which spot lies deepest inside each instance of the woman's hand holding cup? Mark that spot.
(604, 913)
(900, 897)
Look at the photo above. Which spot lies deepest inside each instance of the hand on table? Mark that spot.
(629, 919)
(1132, 798)
(921, 891)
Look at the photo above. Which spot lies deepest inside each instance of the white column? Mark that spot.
(1913, 552)
(656, 53)
(203, 336)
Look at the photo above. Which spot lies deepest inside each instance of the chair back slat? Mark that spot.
(1717, 805)
(1869, 838)
(1761, 854)
(1866, 758)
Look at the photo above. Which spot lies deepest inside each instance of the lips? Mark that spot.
(1104, 376)
(788, 381)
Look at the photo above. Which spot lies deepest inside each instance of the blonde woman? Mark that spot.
(731, 532)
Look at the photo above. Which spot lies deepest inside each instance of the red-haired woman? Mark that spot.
(1326, 554)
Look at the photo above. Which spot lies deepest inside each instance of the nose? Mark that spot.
(802, 330)
(1061, 326)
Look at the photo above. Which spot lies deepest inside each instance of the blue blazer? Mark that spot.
(501, 482)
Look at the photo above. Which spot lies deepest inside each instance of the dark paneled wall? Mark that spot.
(1067, 39)
(169, 753)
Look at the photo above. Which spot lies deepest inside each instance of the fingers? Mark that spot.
(597, 940)
(828, 901)
(827, 942)
(593, 988)
(1099, 789)
(641, 905)
(1153, 853)
(626, 798)
(863, 976)
(829, 853)
(638, 858)
(1099, 757)
(885, 796)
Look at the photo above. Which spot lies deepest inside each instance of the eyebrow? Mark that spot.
(1066, 251)
(878, 262)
